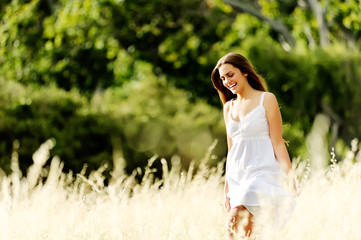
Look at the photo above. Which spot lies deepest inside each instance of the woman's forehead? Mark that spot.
(225, 68)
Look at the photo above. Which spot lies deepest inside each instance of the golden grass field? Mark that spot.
(183, 205)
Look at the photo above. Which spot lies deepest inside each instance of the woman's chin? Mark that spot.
(234, 91)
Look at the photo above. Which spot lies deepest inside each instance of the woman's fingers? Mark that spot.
(227, 204)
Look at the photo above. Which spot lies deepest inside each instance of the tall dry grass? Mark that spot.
(183, 205)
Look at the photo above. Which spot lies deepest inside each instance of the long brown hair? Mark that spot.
(240, 62)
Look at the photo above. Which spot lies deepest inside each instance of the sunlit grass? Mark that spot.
(183, 205)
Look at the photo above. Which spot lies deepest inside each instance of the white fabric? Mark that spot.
(253, 172)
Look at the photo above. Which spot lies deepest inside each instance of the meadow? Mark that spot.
(50, 204)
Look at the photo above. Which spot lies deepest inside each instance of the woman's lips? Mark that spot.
(231, 86)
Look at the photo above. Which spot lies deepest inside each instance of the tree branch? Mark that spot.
(322, 27)
(276, 24)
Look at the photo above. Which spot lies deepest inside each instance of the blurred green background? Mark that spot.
(118, 81)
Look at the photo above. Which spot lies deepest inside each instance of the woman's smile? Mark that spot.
(232, 86)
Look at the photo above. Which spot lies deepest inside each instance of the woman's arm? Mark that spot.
(229, 144)
(226, 108)
(274, 119)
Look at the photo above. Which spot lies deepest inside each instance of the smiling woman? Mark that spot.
(256, 151)
(242, 64)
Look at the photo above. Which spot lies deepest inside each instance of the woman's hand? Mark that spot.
(227, 205)
(294, 184)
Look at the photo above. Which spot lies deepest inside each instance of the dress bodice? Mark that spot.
(253, 125)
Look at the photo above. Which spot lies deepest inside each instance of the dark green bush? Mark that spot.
(32, 116)
(149, 116)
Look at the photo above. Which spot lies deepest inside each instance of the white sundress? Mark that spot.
(253, 173)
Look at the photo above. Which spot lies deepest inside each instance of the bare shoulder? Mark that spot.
(270, 101)
(226, 107)
(270, 97)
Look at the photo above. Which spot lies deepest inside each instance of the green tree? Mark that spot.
(92, 44)
(316, 22)
(76, 65)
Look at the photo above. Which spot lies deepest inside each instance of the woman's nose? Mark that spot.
(226, 80)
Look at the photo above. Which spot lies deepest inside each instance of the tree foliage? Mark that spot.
(123, 79)
(318, 23)
(148, 116)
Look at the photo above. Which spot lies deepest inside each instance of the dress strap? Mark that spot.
(230, 108)
(262, 97)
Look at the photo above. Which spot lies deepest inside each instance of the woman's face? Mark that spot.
(232, 78)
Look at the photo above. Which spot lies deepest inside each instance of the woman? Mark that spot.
(256, 150)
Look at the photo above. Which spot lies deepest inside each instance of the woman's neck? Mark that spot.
(247, 93)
